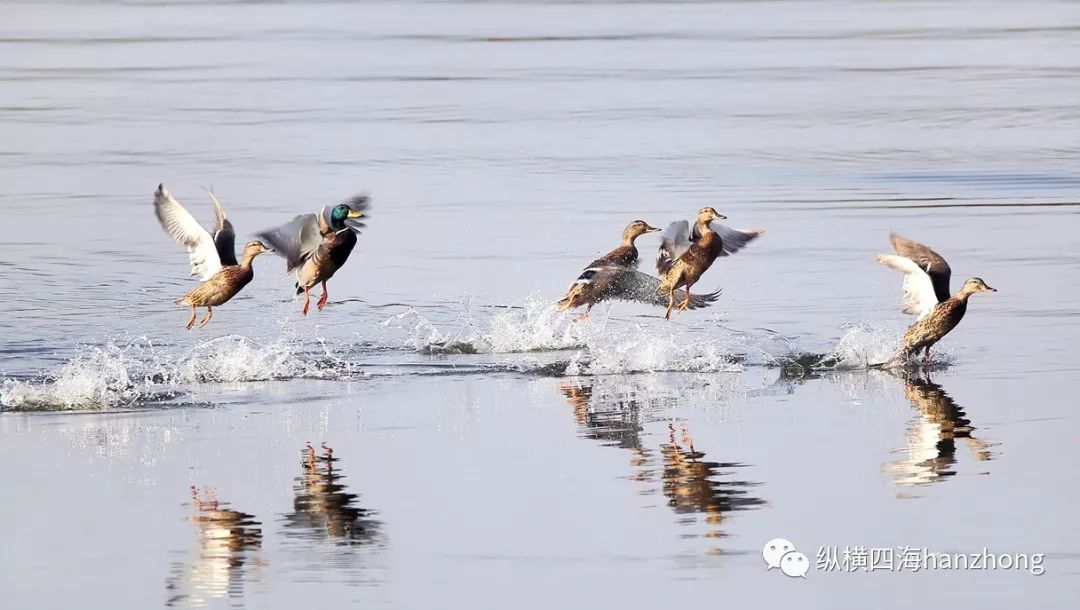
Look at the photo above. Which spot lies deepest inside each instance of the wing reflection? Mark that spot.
(930, 454)
(323, 509)
(227, 542)
(612, 420)
(616, 417)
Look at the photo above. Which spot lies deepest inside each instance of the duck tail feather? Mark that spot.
(570, 300)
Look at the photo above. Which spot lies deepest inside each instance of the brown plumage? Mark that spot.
(926, 294)
(685, 254)
(924, 333)
(316, 246)
(615, 276)
(223, 285)
(212, 257)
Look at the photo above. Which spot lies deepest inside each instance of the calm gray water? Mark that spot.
(485, 451)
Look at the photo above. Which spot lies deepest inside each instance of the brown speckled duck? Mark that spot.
(926, 294)
(316, 246)
(686, 253)
(212, 257)
(615, 276)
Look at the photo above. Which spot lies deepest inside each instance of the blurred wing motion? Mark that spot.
(919, 296)
(296, 240)
(734, 240)
(929, 261)
(625, 284)
(357, 203)
(186, 231)
(224, 236)
(674, 242)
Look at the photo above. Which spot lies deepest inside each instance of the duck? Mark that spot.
(316, 246)
(926, 295)
(211, 254)
(615, 276)
(687, 253)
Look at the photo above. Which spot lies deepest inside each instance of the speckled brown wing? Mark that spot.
(931, 329)
(935, 266)
(633, 285)
(623, 256)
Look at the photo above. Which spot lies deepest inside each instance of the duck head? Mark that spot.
(973, 285)
(707, 215)
(635, 229)
(340, 213)
(252, 249)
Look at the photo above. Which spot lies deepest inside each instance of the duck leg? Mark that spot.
(191, 320)
(670, 303)
(322, 299)
(926, 357)
(206, 318)
(307, 300)
(582, 317)
(686, 302)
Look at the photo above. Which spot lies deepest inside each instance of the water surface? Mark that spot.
(480, 448)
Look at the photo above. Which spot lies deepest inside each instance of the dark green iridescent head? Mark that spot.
(339, 214)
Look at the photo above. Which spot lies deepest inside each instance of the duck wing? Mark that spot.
(224, 235)
(626, 284)
(733, 240)
(674, 242)
(919, 295)
(929, 261)
(180, 225)
(358, 203)
(296, 240)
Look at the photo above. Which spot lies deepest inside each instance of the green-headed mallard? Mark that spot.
(316, 246)
(212, 257)
(686, 253)
(615, 276)
(926, 294)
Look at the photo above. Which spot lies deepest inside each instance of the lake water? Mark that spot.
(483, 451)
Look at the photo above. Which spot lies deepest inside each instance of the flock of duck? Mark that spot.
(315, 246)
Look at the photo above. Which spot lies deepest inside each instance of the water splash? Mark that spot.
(645, 349)
(140, 372)
(602, 345)
(98, 377)
(534, 327)
(860, 346)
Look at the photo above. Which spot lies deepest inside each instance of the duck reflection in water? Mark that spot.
(617, 425)
(323, 509)
(691, 485)
(930, 454)
(227, 544)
